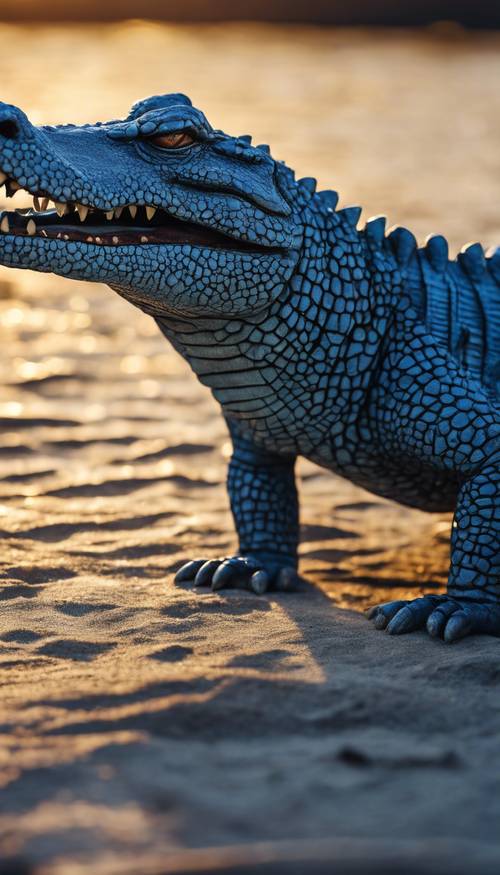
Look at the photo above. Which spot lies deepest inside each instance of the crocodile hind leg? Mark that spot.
(463, 436)
(264, 503)
(472, 603)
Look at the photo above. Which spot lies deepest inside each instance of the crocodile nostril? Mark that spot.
(9, 128)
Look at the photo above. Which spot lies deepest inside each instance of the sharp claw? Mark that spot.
(414, 615)
(206, 572)
(435, 625)
(259, 582)
(458, 626)
(371, 612)
(287, 580)
(225, 573)
(382, 614)
(189, 570)
(402, 622)
(439, 618)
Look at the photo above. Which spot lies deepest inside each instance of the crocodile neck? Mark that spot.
(295, 359)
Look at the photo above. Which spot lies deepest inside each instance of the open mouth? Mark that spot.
(130, 224)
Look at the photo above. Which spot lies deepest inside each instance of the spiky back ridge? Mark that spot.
(458, 300)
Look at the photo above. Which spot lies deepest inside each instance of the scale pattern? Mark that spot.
(352, 347)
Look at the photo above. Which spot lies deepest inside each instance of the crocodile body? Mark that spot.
(370, 356)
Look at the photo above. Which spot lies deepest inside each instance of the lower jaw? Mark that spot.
(98, 235)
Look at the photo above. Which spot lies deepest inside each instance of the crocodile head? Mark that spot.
(176, 216)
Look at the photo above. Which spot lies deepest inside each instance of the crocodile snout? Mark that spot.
(13, 122)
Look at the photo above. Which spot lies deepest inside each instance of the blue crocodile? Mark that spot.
(357, 349)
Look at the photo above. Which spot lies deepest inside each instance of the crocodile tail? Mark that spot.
(459, 300)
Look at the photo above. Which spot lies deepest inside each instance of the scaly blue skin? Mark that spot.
(376, 359)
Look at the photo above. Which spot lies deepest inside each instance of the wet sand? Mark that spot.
(146, 728)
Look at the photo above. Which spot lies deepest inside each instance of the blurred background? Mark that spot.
(344, 12)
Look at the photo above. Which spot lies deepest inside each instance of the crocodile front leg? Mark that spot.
(264, 503)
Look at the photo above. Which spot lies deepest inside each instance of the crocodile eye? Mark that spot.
(172, 141)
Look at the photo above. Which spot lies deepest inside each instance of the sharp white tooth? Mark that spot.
(115, 240)
(144, 240)
(61, 209)
(118, 212)
(4, 225)
(36, 203)
(43, 233)
(89, 239)
(65, 237)
(3, 177)
(98, 240)
(82, 211)
(31, 228)
(133, 210)
(109, 215)
(44, 204)
(150, 211)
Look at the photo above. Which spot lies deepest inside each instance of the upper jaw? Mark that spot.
(101, 220)
(126, 224)
(48, 217)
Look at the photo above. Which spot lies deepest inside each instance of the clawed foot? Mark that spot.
(443, 617)
(240, 572)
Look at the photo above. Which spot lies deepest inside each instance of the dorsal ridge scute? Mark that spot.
(329, 198)
(375, 230)
(493, 263)
(403, 243)
(307, 184)
(436, 251)
(350, 214)
(472, 259)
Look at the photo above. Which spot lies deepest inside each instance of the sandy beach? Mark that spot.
(146, 728)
